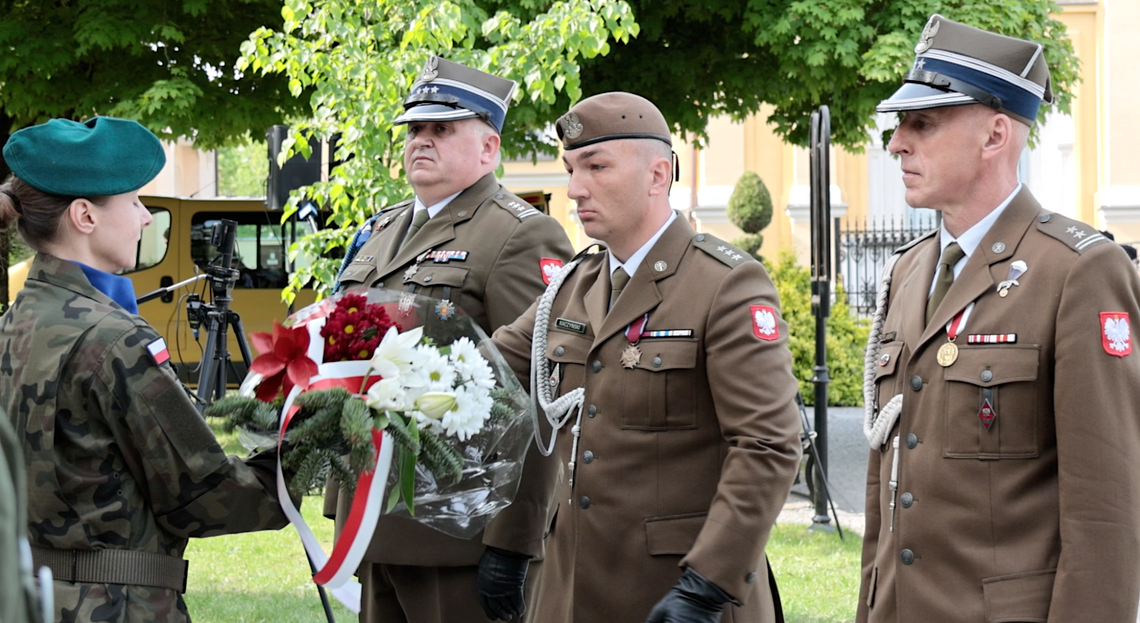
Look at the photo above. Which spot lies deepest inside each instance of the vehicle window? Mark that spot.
(261, 246)
(154, 242)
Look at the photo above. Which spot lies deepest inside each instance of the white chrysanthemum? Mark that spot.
(464, 351)
(386, 395)
(471, 410)
(436, 370)
(424, 423)
(397, 356)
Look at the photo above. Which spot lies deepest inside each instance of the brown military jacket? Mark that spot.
(684, 459)
(116, 454)
(500, 244)
(1034, 518)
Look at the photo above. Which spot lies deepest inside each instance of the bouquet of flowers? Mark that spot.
(386, 391)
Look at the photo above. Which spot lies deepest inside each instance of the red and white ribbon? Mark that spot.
(335, 571)
(958, 323)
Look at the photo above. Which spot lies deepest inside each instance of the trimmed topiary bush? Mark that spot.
(750, 209)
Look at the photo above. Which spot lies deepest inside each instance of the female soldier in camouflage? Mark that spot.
(121, 469)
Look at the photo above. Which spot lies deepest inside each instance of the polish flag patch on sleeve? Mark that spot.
(764, 324)
(158, 351)
(1115, 333)
(550, 267)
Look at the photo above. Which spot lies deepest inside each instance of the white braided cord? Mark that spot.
(557, 411)
(877, 423)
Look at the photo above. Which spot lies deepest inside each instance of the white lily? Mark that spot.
(396, 355)
(386, 395)
(435, 404)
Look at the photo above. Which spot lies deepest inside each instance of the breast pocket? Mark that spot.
(886, 366)
(568, 353)
(358, 273)
(993, 385)
(441, 282)
(661, 392)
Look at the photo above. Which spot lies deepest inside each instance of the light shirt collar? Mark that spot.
(972, 237)
(434, 209)
(638, 256)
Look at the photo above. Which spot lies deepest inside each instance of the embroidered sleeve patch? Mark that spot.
(764, 322)
(550, 267)
(158, 351)
(1115, 333)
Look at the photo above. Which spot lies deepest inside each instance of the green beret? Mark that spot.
(611, 116)
(100, 157)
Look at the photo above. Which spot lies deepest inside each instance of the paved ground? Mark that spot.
(847, 454)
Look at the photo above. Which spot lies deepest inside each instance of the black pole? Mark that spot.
(820, 146)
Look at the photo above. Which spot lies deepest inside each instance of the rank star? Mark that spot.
(1071, 230)
(721, 248)
(1080, 234)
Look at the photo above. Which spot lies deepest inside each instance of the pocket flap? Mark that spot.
(667, 355)
(1004, 364)
(567, 347)
(1019, 596)
(888, 359)
(437, 275)
(357, 272)
(673, 534)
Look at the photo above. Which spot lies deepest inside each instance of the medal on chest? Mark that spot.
(631, 356)
(948, 352)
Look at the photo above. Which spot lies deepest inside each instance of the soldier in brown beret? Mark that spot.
(462, 238)
(663, 363)
(1002, 387)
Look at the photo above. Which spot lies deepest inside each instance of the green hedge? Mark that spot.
(846, 335)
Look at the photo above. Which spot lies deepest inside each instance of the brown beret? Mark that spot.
(611, 116)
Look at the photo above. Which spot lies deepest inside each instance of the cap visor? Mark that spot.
(433, 112)
(913, 96)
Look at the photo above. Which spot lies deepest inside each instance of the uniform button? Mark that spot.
(559, 351)
(750, 577)
(907, 555)
(907, 499)
(911, 441)
(656, 362)
(701, 238)
(428, 278)
(916, 382)
(587, 457)
(596, 366)
(987, 376)
(584, 503)
(462, 213)
(1044, 218)
(592, 411)
(498, 195)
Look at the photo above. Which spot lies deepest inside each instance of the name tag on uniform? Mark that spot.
(570, 325)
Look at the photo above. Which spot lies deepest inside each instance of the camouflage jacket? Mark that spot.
(18, 602)
(115, 452)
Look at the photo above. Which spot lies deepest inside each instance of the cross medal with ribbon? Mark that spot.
(948, 352)
(631, 356)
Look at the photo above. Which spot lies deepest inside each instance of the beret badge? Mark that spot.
(571, 126)
(431, 69)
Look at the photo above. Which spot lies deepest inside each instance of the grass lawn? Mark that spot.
(263, 576)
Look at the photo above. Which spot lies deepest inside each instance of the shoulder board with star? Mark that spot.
(908, 246)
(517, 206)
(724, 252)
(1074, 234)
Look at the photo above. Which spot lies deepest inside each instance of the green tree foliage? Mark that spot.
(357, 59)
(846, 335)
(170, 65)
(750, 209)
(242, 169)
(697, 59)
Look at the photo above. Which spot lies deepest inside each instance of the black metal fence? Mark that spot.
(863, 249)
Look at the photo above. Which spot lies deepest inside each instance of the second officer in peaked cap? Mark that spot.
(1003, 393)
(466, 240)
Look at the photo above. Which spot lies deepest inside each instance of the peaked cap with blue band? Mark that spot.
(957, 64)
(100, 157)
(448, 91)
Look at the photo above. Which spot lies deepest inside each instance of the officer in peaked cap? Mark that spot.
(666, 363)
(466, 240)
(1002, 388)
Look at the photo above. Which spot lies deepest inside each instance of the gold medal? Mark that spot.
(631, 356)
(947, 354)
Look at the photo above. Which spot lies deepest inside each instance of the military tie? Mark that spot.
(418, 221)
(950, 256)
(617, 284)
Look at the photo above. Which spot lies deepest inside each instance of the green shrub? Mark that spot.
(750, 209)
(846, 335)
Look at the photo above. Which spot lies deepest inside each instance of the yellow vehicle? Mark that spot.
(176, 247)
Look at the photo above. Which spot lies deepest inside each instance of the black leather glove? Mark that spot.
(500, 583)
(693, 600)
